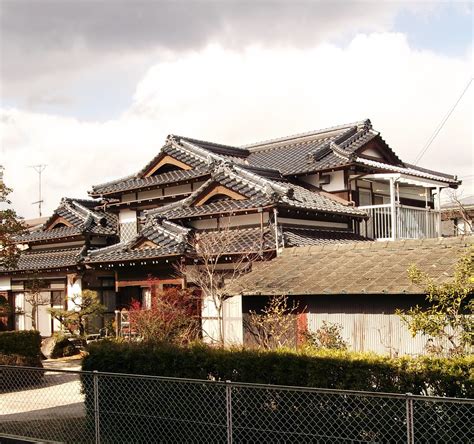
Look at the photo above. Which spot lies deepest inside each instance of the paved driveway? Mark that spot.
(57, 396)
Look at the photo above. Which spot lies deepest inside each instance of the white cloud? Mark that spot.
(237, 97)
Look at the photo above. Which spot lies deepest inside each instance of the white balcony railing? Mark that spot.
(410, 222)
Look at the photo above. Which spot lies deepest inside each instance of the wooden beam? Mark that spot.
(218, 189)
(59, 220)
(167, 160)
(147, 282)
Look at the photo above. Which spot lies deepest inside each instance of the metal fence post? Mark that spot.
(228, 404)
(409, 412)
(96, 406)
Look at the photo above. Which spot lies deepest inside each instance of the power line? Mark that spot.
(440, 126)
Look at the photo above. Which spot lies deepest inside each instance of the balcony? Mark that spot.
(406, 207)
(408, 222)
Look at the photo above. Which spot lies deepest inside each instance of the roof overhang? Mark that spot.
(406, 179)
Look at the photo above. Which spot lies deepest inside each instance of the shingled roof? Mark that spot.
(332, 148)
(47, 259)
(259, 191)
(159, 238)
(303, 153)
(83, 218)
(355, 268)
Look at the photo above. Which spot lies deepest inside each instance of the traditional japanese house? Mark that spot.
(52, 256)
(257, 211)
(355, 163)
(338, 185)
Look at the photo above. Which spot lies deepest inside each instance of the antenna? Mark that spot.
(39, 169)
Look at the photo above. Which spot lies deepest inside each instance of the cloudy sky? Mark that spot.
(92, 87)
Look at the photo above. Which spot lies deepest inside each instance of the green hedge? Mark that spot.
(23, 343)
(135, 409)
(324, 369)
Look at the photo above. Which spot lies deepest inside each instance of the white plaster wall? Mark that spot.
(233, 221)
(44, 317)
(204, 224)
(180, 189)
(74, 290)
(209, 320)
(336, 182)
(372, 152)
(5, 284)
(233, 323)
(128, 197)
(127, 216)
(150, 194)
(20, 319)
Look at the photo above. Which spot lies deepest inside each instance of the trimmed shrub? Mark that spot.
(197, 409)
(23, 343)
(64, 347)
(308, 368)
(20, 348)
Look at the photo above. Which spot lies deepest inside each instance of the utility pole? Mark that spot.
(39, 169)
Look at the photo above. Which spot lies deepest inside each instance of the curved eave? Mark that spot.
(149, 187)
(358, 215)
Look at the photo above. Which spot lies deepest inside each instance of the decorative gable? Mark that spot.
(215, 192)
(165, 164)
(378, 150)
(58, 222)
(144, 244)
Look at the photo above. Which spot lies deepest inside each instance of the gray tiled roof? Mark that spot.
(170, 239)
(82, 215)
(259, 192)
(293, 155)
(409, 170)
(354, 268)
(48, 259)
(135, 183)
(315, 151)
(220, 207)
(303, 236)
(240, 241)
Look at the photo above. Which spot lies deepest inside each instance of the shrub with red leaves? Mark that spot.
(172, 317)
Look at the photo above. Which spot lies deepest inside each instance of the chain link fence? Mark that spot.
(91, 407)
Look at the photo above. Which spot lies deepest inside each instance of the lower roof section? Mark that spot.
(354, 268)
(47, 260)
(300, 237)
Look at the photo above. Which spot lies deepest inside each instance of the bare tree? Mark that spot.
(458, 210)
(217, 264)
(275, 326)
(35, 298)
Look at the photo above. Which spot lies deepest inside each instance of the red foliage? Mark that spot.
(173, 315)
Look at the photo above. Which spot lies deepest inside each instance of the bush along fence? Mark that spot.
(120, 408)
(20, 348)
(452, 377)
